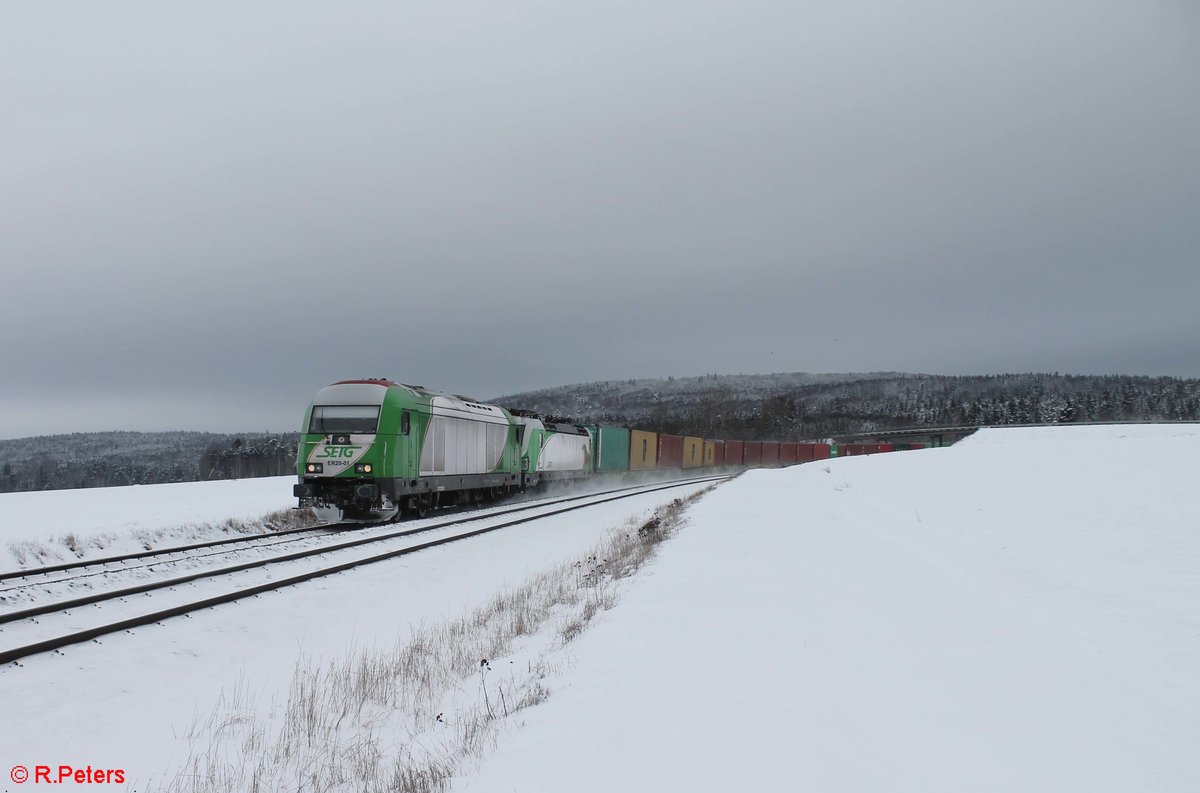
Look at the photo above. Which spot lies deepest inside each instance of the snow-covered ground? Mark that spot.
(1017, 612)
(113, 520)
(54, 526)
(129, 701)
(1020, 612)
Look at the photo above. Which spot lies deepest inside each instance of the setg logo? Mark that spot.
(337, 452)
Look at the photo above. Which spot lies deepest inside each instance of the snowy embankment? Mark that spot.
(1018, 612)
(52, 526)
(143, 700)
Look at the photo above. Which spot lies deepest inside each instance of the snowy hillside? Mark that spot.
(1018, 612)
(670, 396)
(799, 406)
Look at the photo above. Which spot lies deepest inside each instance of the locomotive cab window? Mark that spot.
(357, 419)
(405, 423)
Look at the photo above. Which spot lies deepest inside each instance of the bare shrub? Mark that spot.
(73, 543)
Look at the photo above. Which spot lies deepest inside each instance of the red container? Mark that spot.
(770, 453)
(853, 449)
(734, 451)
(752, 453)
(789, 453)
(718, 452)
(820, 451)
(670, 451)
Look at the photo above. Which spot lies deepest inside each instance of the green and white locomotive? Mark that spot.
(551, 452)
(372, 450)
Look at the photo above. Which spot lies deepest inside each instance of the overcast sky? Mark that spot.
(208, 212)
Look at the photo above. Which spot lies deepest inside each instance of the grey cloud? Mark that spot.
(210, 212)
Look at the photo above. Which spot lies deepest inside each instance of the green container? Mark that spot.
(611, 445)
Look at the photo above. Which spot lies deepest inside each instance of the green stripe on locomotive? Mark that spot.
(389, 450)
(394, 450)
(533, 448)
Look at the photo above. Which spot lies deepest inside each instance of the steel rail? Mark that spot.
(58, 568)
(151, 553)
(47, 645)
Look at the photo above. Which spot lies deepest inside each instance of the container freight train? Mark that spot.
(373, 450)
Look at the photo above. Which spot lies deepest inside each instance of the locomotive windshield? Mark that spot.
(357, 419)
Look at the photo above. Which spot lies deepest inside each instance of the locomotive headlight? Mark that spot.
(363, 468)
(367, 468)
(316, 468)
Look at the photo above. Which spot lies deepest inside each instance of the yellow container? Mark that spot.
(710, 453)
(643, 450)
(693, 452)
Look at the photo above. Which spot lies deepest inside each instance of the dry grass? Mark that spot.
(408, 718)
(71, 546)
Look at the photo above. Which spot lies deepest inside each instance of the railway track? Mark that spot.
(56, 642)
(31, 578)
(249, 539)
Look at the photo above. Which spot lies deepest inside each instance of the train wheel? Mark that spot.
(417, 507)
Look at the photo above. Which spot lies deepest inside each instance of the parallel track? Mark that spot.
(18, 653)
(32, 577)
(125, 557)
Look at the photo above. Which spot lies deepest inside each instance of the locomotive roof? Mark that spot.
(371, 381)
(385, 382)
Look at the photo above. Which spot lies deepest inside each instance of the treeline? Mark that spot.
(807, 407)
(750, 407)
(109, 459)
(268, 455)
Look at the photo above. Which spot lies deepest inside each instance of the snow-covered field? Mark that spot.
(54, 526)
(112, 520)
(1020, 612)
(1017, 612)
(129, 701)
